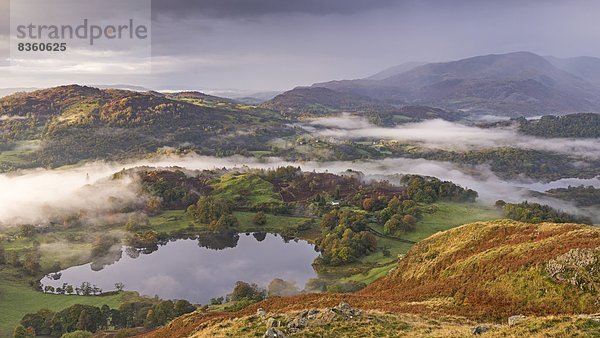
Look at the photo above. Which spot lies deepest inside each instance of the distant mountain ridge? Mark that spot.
(320, 101)
(395, 70)
(513, 84)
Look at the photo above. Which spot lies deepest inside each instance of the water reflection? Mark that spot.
(218, 241)
(200, 269)
(260, 236)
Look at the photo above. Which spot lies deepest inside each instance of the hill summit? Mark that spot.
(512, 84)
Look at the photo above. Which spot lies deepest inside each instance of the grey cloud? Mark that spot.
(280, 44)
(4, 32)
(254, 8)
(292, 45)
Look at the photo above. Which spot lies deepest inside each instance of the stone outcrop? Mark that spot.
(579, 267)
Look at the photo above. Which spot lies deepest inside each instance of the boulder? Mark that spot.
(578, 267)
(479, 329)
(297, 323)
(345, 310)
(274, 333)
(514, 320)
(272, 322)
(312, 314)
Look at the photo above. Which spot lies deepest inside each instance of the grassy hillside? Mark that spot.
(378, 324)
(321, 101)
(246, 190)
(318, 101)
(483, 271)
(500, 268)
(442, 216)
(447, 215)
(77, 123)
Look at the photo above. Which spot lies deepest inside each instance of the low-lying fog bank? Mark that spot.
(32, 196)
(440, 134)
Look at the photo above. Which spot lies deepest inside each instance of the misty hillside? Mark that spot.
(586, 67)
(395, 70)
(318, 101)
(582, 125)
(509, 84)
(67, 124)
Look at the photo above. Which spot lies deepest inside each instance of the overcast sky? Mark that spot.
(279, 44)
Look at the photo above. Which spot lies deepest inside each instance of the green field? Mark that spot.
(449, 215)
(373, 274)
(275, 223)
(15, 157)
(445, 215)
(246, 189)
(377, 264)
(17, 299)
(11, 157)
(176, 220)
(170, 221)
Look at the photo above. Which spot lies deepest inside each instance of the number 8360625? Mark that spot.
(42, 47)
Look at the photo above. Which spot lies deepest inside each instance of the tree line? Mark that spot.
(538, 213)
(92, 318)
(581, 125)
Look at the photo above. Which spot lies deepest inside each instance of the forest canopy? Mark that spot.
(583, 125)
